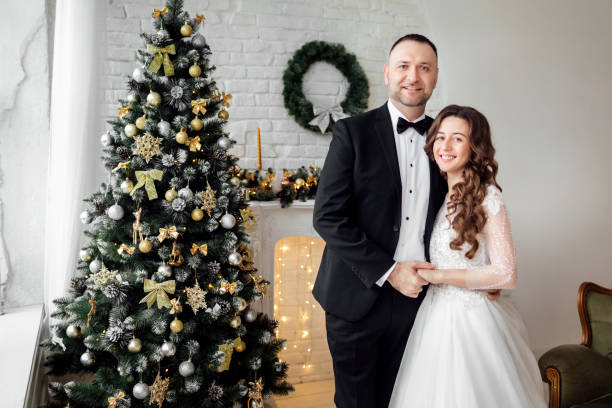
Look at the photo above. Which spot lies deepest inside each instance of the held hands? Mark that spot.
(405, 279)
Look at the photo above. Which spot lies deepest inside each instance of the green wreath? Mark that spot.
(356, 100)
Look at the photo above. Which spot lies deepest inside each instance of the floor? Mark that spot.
(317, 394)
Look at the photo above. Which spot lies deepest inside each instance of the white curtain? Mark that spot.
(74, 145)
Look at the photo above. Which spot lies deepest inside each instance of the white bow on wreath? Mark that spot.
(322, 116)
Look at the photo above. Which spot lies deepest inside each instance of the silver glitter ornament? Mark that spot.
(73, 331)
(234, 258)
(168, 349)
(135, 345)
(228, 221)
(224, 142)
(115, 212)
(88, 358)
(85, 217)
(85, 255)
(138, 75)
(95, 266)
(186, 194)
(132, 97)
(140, 390)
(164, 270)
(106, 140)
(186, 368)
(250, 315)
(162, 35)
(163, 127)
(130, 130)
(198, 41)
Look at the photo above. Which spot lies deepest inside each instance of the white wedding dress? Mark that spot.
(465, 351)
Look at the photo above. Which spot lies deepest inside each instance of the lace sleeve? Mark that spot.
(501, 273)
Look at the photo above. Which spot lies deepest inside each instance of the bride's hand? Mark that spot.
(431, 275)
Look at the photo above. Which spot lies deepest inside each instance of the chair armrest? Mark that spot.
(576, 374)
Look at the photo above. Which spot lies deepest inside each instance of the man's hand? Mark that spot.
(493, 294)
(405, 279)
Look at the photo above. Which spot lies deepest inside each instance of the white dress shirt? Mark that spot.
(414, 173)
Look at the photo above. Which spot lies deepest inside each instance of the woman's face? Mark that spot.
(452, 145)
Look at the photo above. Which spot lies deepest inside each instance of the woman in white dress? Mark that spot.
(466, 351)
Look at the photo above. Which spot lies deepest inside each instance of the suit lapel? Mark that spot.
(384, 132)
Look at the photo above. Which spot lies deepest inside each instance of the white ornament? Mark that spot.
(115, 212)
(132, 97)
(130, 130)
(168, 349)
(88, 358)
(73, 331)
(85, 217)
(138, 75)
(228, 221)
(135, 345)
(85, 255)
(140, 390)
(95, 266)
(153, 98)
(164, 128)
(186, 368)
(106, 140)
(165, 270)
(126, 186)
(224, 142)
(234, 258)
(250, 315)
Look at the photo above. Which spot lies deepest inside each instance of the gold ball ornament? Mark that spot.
(145, 246)
(195, 70)
(239, 345)
(176, 326)
(73, 331)
(223, 114)
(181, 137)
(153, 98)
(197, 124)
(171, 195)
(197, 214)
(235, 322)
(235, 181)
(135, 345)
(243, 304)
(186, 30)
(130, 130)
(140, 122)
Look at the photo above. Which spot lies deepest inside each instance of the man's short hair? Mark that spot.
(415, 37)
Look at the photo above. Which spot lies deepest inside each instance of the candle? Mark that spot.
(258, 149)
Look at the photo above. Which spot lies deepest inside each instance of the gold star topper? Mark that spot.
(159, 390)
(147, 146)
(196, 298)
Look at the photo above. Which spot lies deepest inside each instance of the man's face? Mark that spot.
(411, 73)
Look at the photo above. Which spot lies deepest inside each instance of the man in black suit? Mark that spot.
(376, 203)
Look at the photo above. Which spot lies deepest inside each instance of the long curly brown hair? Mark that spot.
(466, 197)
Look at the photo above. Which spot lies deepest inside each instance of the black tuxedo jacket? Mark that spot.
(358, 212)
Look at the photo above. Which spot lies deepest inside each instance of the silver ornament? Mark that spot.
(168, 349)
(88, 358)
(85, 255)
(130, 130)
(138, 75)
(228, 221)
(135, 345)
(186, 368)
(85, 217)
(153, 98)
(198, 41)
(164, 128)
(163, 35)
(186, 194)
(132, 97)
(250, 315)
(164, 270)
(126, 186)
(95, 266)
(224, 143)
(265, 337)
(115, 212)
(234, 258)
(73, 331)
(140, 390)
(106, 140)
(211, 225)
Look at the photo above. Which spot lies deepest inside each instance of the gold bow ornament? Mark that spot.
(124, 110)
(112, 401)
(146, 179)
(176, 306)
(158, 292)
(198, 107)
(226, 99)
(199, 18)
(157, 13)
(125, 165)
(228, 287)
(194, 144)
(167, 232)
(162, 55)
(124, 248)
(202, 248)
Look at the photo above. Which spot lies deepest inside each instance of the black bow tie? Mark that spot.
(420, 126)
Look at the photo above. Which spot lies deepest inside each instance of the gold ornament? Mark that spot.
(148, 146)
(248, 218)
(157, 13)
(168, 232)
(197, 214)
(181, 137)
(196, 124)
(176, 259)
(145, 246)
(92, 311)
(202, 248)
(228, 287)
(127, 249)
(112, 401)
(186, 30)
(158, 292)
(176, 306)
(124, 166)
(223, 114)
(147, 179)
(239, 345)
(259, 284)
(247, 260)
(154, 98)
(135, 345)
(159, 390)
(176, 326)
(209, 202)
(124, 110)
(235, 181)
(136, 226)
(171, 195)
(162, 56)
(199, 18)
(255, 394)
(104, 277)
(228, 350)
(235, 322)
(243, 304)
(196, 297)
(194, 144)
(226, 99)
(140, 122)
(195, 71)
(198, 106)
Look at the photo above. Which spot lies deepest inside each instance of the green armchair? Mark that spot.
(580, 376)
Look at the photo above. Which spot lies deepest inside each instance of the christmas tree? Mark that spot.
(159, 311)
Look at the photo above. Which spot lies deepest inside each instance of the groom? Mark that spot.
(376, 202)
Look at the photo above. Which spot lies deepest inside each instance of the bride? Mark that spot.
(466, 351)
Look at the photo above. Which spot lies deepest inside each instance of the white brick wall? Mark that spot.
(252, 40)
